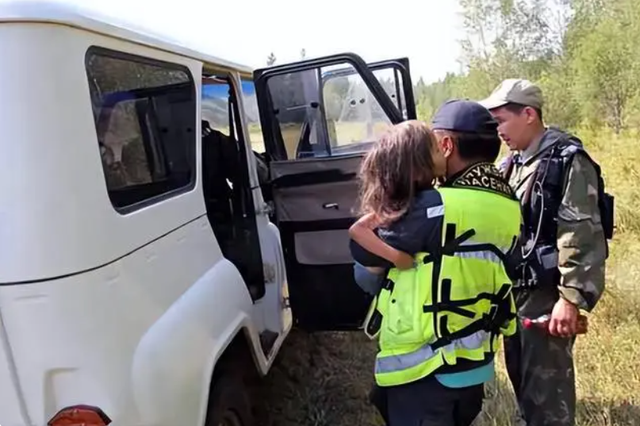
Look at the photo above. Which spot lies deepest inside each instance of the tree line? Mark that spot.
(583, 53)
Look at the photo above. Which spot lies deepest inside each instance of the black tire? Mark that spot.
(229, 402)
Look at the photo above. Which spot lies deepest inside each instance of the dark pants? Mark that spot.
(428, 403)
(378, 397)
(541, 370)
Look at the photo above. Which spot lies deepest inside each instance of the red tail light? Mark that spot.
(80, 415)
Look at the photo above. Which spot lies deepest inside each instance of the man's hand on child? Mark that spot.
(402, 260)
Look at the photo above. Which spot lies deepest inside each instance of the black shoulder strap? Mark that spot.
(540, 174)
(563, 150)
(566, 148)
(606, 201)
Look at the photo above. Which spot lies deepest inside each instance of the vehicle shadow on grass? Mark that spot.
(324, 379)
(319, 379)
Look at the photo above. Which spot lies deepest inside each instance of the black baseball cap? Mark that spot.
(464, 116)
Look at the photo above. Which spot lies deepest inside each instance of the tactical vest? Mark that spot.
(541, 201)
(446, 313)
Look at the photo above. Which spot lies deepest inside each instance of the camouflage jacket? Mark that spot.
(580, 238)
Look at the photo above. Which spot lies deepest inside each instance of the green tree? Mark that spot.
(605, 68)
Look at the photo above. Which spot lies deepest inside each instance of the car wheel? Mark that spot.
(229, 402)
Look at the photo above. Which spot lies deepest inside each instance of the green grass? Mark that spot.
(323, 379)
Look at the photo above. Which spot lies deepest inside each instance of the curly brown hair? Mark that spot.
(399, 163)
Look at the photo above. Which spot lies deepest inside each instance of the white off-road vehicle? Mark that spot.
(167, 216)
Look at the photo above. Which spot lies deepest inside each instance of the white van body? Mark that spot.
(108, 297)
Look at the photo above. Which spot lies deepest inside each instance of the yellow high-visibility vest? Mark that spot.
(457, 301)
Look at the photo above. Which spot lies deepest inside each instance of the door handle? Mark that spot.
(331, 206)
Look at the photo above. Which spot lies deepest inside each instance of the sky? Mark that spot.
(248, 31)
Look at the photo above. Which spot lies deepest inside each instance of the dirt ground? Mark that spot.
(323, 379)
(320, 380)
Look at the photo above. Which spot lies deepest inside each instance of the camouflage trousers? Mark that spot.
(541, 371)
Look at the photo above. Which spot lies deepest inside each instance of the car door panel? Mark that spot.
(315, 194)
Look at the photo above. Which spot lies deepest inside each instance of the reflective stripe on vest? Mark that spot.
(393, 363)
(485, 254)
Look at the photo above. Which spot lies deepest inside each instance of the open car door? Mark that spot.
(318, 119)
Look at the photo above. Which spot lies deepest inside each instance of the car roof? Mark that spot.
(44, 11)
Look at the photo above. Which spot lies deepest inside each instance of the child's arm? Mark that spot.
(362, 233)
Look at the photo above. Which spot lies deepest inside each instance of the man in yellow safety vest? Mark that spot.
(438, 323)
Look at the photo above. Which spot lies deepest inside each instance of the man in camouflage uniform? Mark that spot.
(564, 252)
